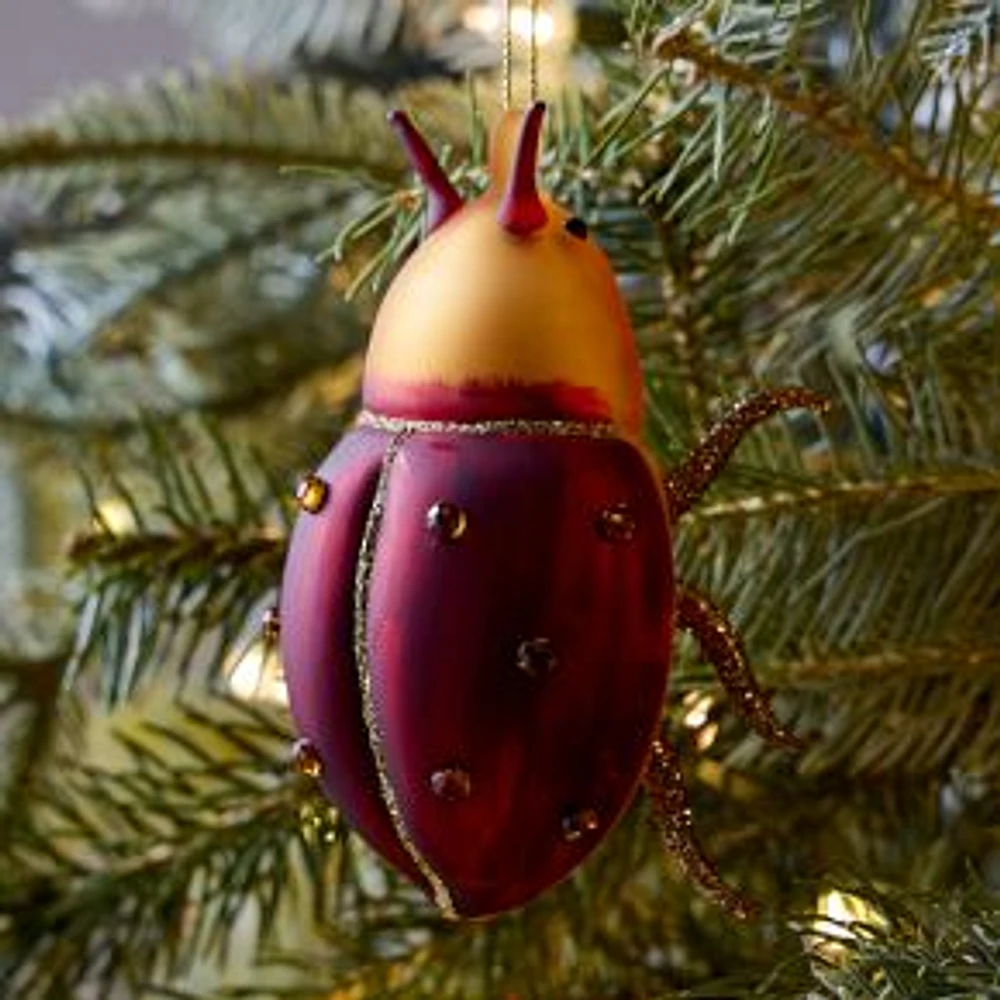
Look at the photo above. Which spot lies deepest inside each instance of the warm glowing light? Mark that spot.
(697, 706)
(256, 674)
(706, 736)
(544, 25)
(487, 19)
(114, 515)
(838, 911)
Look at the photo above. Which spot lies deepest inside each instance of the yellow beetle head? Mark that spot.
(508, 309)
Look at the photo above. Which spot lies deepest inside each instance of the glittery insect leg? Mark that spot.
(722, 647)
(686, 485)
(665, 785)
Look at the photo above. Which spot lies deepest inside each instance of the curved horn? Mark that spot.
(521, 210)
(442, 198)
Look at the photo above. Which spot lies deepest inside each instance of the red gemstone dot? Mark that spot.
(447, 520)
(616, 524)
(451, 784)
(306, 759)
(536, 657)
(312, 493)
(579, 823)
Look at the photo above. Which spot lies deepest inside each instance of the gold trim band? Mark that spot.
(482, 428)
(362, 584)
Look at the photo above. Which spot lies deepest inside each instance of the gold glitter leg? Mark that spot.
(665, 785)
(686, 485)
(722, 647)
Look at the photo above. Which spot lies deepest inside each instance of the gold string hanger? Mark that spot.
(533, 56)
(508, 52)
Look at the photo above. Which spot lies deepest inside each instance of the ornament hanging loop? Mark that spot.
(508, 53)
(533, 54)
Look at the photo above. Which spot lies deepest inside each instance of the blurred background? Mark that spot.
(48, 47)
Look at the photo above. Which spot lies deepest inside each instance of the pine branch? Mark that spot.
(575, 940)
(868, 578)
(860, 556)
(109, 865)
(960, 37)
(150, 314)
(682, 318)
(916, 710)
(178, 591)
(600, 934)
(117, 871)
(931, 948)
(868, 493)
(897, 948)
(382, 42)
(835, 120)
(200, 119)
(138, 273)
(971, 657)
(46, 149)
(797, 248)
(29, 706)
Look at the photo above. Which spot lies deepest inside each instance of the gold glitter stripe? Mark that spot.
(483, 428)
(362, 584)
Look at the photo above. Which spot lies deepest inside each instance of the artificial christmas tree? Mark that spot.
(789, 194)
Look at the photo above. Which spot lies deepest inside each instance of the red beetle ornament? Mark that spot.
(479, 604)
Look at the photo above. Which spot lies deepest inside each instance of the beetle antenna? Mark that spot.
(442, 198)
(521, 210)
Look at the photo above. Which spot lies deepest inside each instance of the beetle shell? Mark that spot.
(479, 662)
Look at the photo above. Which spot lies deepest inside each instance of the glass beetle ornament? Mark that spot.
(479, 601)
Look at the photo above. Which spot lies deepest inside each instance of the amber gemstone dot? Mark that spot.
(447, 520)
(616, 523)
(271, 624)
(306, 759)
(536, 657)
(576, 824)
(451, 784)
(312, 493)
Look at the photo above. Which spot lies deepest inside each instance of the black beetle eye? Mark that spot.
(577, 227)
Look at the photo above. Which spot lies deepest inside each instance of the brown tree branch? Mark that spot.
(45, 148)
(980, 658)
(842, 494)
(837, 122)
